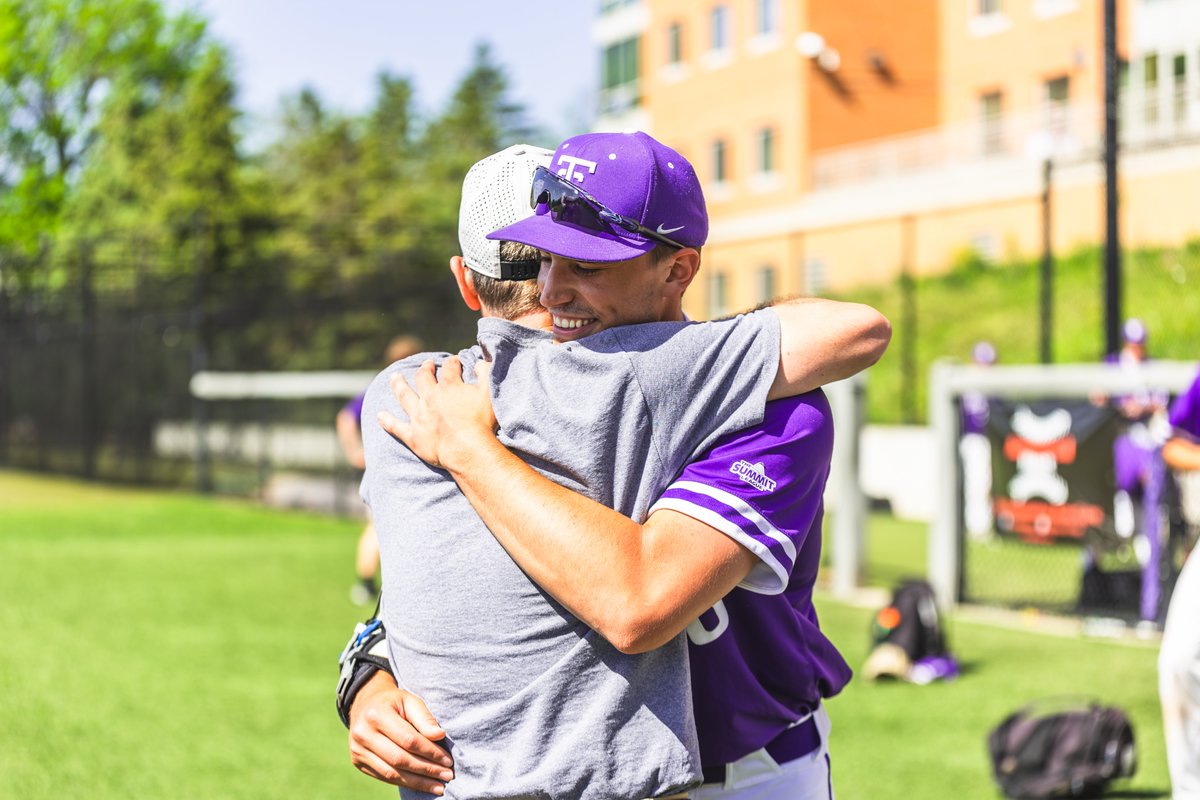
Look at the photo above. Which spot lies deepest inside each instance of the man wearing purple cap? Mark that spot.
(757, 495)
(1137, 466)
(975, 450)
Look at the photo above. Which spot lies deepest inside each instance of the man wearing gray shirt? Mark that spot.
(534, 703)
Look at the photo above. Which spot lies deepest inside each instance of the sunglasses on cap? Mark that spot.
(566, 202)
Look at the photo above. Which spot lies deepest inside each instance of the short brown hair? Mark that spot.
(509, 299)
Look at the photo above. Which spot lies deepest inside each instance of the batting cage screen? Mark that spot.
(1051, 490)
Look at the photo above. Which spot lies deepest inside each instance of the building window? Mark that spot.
(1179, 89)
(717, 302)
(720, 161)
(766, 151)
(718, 31)
(766, 283)
(1123, 106)
(987, 18)
(620, 64)
(768, 17)
(619, 76)
(1057, 99)
(991, 117)
(1150, 81)
(675, 43)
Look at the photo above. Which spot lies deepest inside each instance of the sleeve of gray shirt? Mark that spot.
(709, 377)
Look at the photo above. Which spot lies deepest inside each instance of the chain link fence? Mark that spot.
(96, 361)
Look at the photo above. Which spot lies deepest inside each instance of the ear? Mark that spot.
(466, 286)
(682, 266)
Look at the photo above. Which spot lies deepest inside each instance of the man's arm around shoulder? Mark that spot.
(822, 341)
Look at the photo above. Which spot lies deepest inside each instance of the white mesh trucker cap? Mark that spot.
(496, 194)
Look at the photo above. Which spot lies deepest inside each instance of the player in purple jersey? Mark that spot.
(760, 664)
(366, 558)
(1179, 657)
(1137, 464)
(1136, 449)
(347, 425)
(638, 585)
(791, 735)
(975, 449)
(759, 660)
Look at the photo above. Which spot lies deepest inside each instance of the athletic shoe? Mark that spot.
(364, 593)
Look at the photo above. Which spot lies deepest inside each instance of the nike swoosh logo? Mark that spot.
(664, 231)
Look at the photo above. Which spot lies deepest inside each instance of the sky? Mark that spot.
(338, 46)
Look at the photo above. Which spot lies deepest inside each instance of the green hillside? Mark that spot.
(999, 303)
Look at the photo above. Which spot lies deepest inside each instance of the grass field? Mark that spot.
(172, 646)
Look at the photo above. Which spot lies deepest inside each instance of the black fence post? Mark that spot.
(203, 463)
(88, 397)
(1046, 299)
(1112, 221)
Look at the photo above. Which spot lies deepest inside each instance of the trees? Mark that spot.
(165, 170)
(120, 166)
(366, 210)
(60, 62)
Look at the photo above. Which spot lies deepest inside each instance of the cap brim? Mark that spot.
(568, 241)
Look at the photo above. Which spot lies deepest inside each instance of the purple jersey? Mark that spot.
(758, 658)
(974, 412)
(355, 407)
(1185, 411)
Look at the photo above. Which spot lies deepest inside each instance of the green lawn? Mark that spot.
(167, 645)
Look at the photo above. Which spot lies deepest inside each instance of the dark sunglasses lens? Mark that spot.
(551, 194)
(544, 193)
(578, 212)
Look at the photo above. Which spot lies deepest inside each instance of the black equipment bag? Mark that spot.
(1067, 753)
(912, 621)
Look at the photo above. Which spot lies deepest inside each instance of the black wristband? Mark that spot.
(365, 654)
(363, 672)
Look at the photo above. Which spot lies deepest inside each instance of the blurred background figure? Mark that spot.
(1137, 466)
(349, 434)
(976, 452)
(1179, 657)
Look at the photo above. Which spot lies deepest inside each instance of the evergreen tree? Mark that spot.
(59, 59)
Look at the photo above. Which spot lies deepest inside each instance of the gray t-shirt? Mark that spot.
(535, 703)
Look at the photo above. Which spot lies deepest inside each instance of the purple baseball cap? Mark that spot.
(1134, 331)
(635, 176)
(983, 353)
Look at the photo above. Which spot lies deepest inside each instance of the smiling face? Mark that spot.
(585, 297)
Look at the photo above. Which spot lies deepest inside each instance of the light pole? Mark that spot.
(1047, 276)
(1112, 234)
(1041, 146)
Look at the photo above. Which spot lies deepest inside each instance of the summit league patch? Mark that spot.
(753, 474)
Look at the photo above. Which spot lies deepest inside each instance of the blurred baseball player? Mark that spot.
(349, 435)
(1137, 466)
(975, 449)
